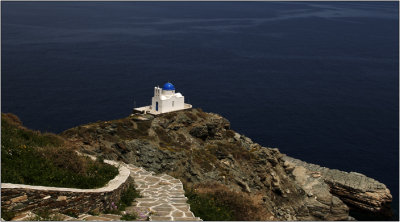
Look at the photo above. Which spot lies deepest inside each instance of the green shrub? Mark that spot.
(17, 136)
(42, 214)
(128, 217)
(128, 197)
(72, 213)
(7, 215)
(29, 157)
(207, 208)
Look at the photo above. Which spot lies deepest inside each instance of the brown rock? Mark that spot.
(24, 216)
(61, 198)
(355, 189)
(19, 199)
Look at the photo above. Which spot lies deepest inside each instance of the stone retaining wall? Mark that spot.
(19, 197)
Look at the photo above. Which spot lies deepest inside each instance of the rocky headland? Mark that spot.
(356, 190)
(200, 148)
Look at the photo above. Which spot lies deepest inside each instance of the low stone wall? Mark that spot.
(20, 198)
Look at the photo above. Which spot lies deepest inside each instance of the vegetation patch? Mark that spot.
(114, 131)
(128, 217)
(127, 197)
(207, 207)
(204, 158)
(7, 215)
(192, 116)
(163, 135)
(201, 114)
(45, 215)
(30, 157)
(224, 149)
(169, 147)
(73, 213)
(216, 202)
(181, 140)
(168, 141)
(127, 130)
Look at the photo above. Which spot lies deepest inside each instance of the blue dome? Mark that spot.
(168, 86)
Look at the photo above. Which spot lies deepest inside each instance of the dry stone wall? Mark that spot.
(20, 198)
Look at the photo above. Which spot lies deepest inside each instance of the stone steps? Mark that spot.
(111, 216)
(162, 195)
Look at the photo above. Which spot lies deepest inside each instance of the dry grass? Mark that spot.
(169, 115)
(192, 116)
(204, 159)
(241, 206)
(11, 119)
(125, 128)
(201, 114)
(236, 150)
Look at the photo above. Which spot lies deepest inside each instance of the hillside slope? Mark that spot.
(200, 149)
(35, 158)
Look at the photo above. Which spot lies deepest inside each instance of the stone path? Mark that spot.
(162, 194)
(163, 199)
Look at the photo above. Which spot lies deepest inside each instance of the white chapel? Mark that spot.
(165, 100)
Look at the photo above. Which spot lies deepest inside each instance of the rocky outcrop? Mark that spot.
(356, 190)
(320, 201)
(198, 147)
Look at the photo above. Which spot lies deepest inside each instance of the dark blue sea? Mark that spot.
(318, 80)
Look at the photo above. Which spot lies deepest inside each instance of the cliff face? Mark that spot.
(356, 190)
(199, 147)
